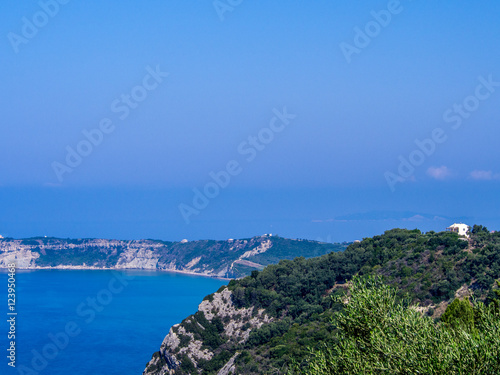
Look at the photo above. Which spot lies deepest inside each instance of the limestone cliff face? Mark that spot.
(227, 259)
(138, 257)
(22, 257)
(144, 254)
(192, 341)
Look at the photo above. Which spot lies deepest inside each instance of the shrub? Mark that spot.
(459, 314)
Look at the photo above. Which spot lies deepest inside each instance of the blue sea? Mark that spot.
(86, 322)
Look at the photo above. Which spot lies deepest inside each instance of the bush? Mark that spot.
(459, 315)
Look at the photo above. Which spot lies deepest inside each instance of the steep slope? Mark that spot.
(291, 302)
(230, 259)
(197, 341)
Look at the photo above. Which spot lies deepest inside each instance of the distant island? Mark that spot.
(224, 259)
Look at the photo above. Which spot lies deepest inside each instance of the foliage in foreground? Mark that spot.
(379, 334)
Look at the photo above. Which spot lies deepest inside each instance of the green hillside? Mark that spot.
(427, 269)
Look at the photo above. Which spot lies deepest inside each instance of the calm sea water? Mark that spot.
(95, 322)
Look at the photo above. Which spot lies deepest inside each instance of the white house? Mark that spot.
(460, 228)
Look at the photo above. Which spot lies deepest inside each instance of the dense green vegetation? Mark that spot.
(427, 269)
(379, 334)
(89, 255)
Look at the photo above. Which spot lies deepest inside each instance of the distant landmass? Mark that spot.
(225, 259)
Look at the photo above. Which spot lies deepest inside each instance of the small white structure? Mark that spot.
(184, 240)
(460, 229)
(1, 236)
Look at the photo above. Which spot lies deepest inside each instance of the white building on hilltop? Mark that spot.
(460, 229)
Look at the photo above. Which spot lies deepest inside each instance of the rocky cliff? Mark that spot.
(198, 338)
(228, 259)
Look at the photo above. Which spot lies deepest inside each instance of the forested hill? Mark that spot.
(262, 323)
(230, 258)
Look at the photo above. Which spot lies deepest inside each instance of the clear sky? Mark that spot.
(331, 120)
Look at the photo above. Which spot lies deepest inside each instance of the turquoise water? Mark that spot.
(95, 322)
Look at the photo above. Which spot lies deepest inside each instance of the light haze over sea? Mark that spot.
(344, 118)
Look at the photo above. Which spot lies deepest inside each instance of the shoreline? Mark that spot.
(90, 268)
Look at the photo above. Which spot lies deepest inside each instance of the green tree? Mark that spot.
(459, 314)
(476, 229)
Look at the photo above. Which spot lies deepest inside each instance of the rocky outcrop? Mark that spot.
(262, 248)
(189, 343)
(23, 258)
(221, 306)
(137, 257)
(229, 367)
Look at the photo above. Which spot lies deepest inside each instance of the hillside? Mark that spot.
(259, 324)
(228, 259)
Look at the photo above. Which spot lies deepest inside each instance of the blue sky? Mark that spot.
(345, 164)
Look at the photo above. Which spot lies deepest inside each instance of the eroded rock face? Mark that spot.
(225, 259)
(222, 307)
(229, 367)
(22, 257)
(138, 258)
(262, 248)
(210, 258)
(186, 340)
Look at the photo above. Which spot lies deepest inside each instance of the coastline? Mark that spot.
(92, 268)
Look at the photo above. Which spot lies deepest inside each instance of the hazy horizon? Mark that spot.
(330, 121)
